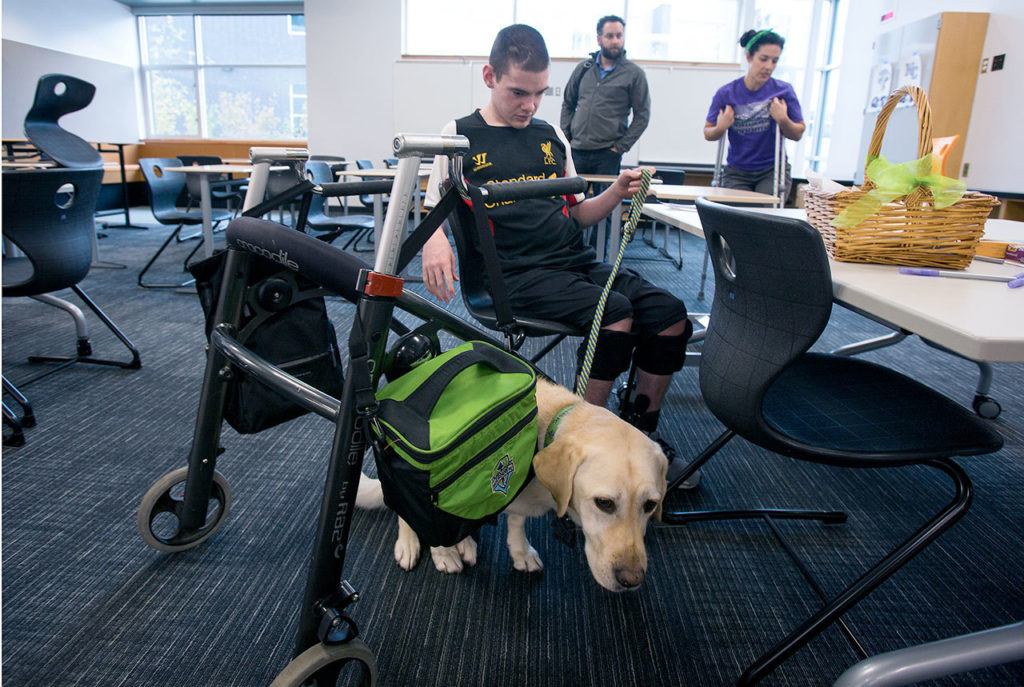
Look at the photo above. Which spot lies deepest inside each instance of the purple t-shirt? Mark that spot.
(752, 135)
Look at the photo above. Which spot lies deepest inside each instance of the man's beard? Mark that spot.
(611, 53)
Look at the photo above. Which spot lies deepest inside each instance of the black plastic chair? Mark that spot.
(48, 215)
(336, 163)
(479, 299)
(278, 182)
(222, 187)
(675, 177)
(56, 96)
(330, 227)
(773, 299)
(164, 190)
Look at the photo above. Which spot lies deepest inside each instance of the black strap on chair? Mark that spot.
(505, 321)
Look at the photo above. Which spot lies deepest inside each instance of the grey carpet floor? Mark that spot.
(86, 602)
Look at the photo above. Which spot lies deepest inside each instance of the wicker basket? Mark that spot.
(909, 230)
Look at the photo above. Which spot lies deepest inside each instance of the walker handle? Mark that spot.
(542, 188)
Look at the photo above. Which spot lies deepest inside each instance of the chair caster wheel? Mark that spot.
(986, 407)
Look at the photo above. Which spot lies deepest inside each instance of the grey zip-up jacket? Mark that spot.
(594, 112)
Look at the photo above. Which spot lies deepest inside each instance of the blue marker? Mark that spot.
(1014, 282)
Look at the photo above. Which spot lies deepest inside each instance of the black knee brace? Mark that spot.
(663, 355)
(611, 357)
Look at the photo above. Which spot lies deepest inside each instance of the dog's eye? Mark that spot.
(605, 505)
(650, 505)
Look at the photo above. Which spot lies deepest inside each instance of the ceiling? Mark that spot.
(232, 6)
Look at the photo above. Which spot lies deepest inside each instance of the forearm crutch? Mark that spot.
(779, 170)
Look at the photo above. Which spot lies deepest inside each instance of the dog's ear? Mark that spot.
(555, 467)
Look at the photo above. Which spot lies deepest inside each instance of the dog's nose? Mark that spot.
(629, 578)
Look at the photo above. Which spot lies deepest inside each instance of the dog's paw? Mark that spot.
(447, 559)
(407, 548)
(467, 551)
(527, 561)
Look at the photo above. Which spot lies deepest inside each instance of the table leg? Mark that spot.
(378, 220)
(206, 201)
(616, 228)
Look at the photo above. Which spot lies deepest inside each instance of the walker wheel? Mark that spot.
(157, 517)
(331, 665)
(987, 407)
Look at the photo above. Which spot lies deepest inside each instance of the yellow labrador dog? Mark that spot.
(601, 471)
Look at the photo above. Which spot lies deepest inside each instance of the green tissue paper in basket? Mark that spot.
(894, 181)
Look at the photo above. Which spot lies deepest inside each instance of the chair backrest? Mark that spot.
(48, 214)
(773, 298)
(472, 283)
(367, 199)
(192, 182)
(336, 162)
(56, 96)
(163, 188)
(319, 172)
(674, 177)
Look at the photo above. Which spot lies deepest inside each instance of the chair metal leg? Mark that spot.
(17, 436)
(878, 574)
(84, 353)
(28, 417)
(703, 273)
(547, 348)
(153, 259)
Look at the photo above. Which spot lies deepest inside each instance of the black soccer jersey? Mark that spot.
(532, 233)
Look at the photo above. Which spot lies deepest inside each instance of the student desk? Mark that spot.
(378, 203)
(977, 320)
(206, 202)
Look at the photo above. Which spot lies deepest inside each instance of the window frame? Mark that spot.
(198, 70)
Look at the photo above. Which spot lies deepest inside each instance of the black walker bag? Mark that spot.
(298, 338)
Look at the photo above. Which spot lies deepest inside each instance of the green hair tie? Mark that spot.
(755, 38)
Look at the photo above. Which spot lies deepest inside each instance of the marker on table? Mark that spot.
(1015, 281)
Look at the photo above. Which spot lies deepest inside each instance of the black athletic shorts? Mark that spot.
(571, 296)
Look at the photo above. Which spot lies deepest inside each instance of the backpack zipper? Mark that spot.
(466, 434)
(475, 460)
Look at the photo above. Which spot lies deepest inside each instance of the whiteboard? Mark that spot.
(680, 99)
(112, 117)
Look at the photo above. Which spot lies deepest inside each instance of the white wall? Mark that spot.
(993, 137)
(360, 98)
(351, 49)
(100, 29)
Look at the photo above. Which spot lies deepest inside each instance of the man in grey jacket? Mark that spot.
(598, 98)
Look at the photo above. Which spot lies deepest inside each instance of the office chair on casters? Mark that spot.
(332, 226)
(163, 195)
(48, 215)
(773, 299)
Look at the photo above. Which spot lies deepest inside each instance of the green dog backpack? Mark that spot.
(454, 440)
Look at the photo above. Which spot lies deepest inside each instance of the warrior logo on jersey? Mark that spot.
(480, 162)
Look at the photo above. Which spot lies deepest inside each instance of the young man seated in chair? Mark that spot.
(548, 271)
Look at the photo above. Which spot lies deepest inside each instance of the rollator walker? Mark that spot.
(188, 505)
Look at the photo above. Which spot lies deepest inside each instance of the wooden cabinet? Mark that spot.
(946, 49)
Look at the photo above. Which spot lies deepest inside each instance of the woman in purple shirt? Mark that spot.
(748, 109)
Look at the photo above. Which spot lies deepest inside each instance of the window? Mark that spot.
(664, 30)
(225, 76)
(656, 29)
